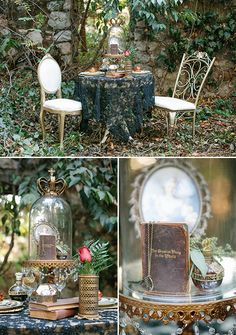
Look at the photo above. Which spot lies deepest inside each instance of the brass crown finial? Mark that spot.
(51, 186)
(116, 21)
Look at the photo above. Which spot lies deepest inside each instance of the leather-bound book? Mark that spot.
(47, 247)
(53, 315)
(67, 303)
(165, 257)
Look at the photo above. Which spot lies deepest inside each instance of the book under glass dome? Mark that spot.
(50, 231)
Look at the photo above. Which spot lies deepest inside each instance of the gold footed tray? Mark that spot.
(54, 263)
(117, 56)
(179, 312)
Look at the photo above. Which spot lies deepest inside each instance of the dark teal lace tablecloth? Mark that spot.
(120, 104)
(21, 324)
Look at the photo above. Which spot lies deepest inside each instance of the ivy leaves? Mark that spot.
(94, 180)
(188, 28)
(154, 12)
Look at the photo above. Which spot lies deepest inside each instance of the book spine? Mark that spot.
(53, 315)
(53, 308)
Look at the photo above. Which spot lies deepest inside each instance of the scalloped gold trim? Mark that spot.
(183, 312)
(54, 263)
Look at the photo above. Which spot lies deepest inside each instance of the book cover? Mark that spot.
(165, 257)
(53, 315)
(67, 303)
(47, 247)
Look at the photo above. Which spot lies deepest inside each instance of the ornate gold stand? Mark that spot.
(184, 313)
(117, 56)
(54, 263)
(47, 267)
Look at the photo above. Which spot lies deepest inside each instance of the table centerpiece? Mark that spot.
(92, 258)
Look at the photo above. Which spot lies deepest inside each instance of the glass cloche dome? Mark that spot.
(116, 37)
(50, 224)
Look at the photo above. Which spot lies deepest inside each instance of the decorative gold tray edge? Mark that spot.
(61, 263)
(184, 312)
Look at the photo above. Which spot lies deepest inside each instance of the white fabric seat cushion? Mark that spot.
(66, 105)
(174, 104)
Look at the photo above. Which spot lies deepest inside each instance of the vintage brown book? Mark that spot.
(53, 315)
(165, 257)
(47, 247)
(53, 306)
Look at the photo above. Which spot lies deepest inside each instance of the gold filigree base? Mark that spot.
(182, 312)
(88, 317)
(54, 263)
(88, 296)
(117, 56)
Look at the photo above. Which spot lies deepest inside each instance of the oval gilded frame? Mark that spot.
(200, 185)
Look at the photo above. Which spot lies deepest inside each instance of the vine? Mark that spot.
(190, 26)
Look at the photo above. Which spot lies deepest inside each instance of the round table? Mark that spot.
(22, 324)
(118, 103)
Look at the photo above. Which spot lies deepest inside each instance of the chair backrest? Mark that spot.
(49, 74)
(192, 74)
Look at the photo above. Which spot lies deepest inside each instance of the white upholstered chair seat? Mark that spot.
(65, 105)
(174, 104)
(192, 74)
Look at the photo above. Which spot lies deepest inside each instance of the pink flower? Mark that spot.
(126, 53)
(84, 254)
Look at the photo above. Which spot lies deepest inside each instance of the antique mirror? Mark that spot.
(171, 190)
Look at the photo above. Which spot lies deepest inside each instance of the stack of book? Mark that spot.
(61, 309)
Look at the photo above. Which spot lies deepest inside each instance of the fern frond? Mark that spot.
(100, 256)
(101, 259)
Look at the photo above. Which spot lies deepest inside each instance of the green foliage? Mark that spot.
(20, 133)
(211, 243)
(93, 214)
(6, 43)
(211, 34)
(188, 29)
(62, 248)
(154, 13)
(96, 15)
(97, 180)
(198, 246)
(101, 259)
(215, 32)
(224, 107)
(38, 19)
(199, 261)
(9, 216)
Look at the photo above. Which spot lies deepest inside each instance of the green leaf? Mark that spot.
(87, 190)
(198, 260)
(74, 180)
(16, 137)
(101, 195)
(29, 198)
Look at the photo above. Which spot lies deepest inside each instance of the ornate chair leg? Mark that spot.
(59, 125)
(105, 136)
(194, 120)
(61, 129)
(41, 118)
(175, 121)
(167, 123)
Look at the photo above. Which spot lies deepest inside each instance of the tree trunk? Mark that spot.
(75, 13)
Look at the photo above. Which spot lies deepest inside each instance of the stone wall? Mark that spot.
(223, 74)
(56, 30)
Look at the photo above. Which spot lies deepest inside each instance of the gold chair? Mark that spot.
(191, 77)
(49, 76)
